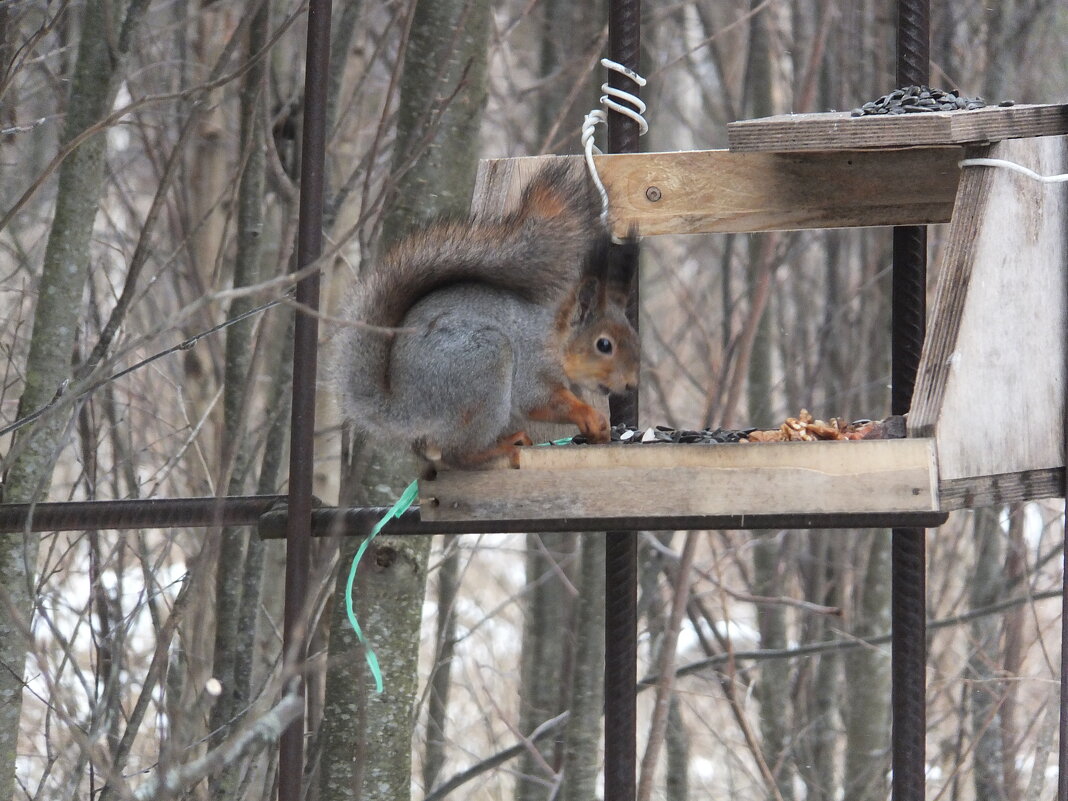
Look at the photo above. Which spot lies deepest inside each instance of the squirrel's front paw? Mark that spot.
(594, 426)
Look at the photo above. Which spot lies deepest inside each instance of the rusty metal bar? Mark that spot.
(357, 522)
(621, 552)
(305, 356)
(624, 47)
(908, 314)
(908, 611)
(150, 513)
(269, 513)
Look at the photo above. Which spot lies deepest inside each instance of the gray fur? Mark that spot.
(472, 305)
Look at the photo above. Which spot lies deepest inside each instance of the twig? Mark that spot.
(264, 732)
(461, 778)
(664, 689)
(843, 644)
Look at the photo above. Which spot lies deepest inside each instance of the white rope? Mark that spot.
(1011, 165)
(598, 116)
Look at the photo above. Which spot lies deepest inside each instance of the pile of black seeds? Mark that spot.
(914, 99)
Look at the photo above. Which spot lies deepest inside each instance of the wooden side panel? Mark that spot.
(826, 131)
(693, 480)
(716, 191)
(991, 384)
(1028, 485)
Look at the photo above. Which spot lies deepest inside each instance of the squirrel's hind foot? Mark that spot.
(506, 447)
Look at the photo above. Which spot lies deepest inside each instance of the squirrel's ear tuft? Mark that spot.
(608, 274)
(591, 291)
(588, 300)
(598, 259)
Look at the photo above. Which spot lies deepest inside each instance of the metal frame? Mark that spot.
(621, 551)
(908, 584)
(270, 514)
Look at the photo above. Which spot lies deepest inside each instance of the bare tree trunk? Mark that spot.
(818, 700)
(443, 93)
(556, 661)
(677, 745)
(98, 71)
(866, 708)
(365, 742)
(569, 41)
(587, 684)
(546, 654)
(366, 748)
(235, 581)
(820, 567)
(985, 692)
(1015, 573)
(441, 677)
(208, 170)
(759, 90)
(666, 668)
(773, 687)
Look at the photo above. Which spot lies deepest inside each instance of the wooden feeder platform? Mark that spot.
(987, 424)
(735, 481)
(840, 129)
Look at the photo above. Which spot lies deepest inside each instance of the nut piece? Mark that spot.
(805, 428)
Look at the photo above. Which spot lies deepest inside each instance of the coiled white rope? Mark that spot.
(1011, 165)
(614, 100)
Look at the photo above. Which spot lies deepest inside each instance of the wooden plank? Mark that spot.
(654, 481)
(839, 129)
(716, 191)
(833, 457)
(991, 381)
(971, 493)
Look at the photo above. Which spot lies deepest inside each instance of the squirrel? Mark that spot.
(468, 329)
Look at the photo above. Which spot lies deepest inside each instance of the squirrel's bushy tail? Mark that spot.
(535, 252)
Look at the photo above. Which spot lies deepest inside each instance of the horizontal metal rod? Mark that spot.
(268, 512)
(136, 513)
(358, 522)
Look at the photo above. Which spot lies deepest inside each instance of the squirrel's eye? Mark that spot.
(604, 345)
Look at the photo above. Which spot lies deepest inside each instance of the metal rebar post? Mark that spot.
(136, 513)
(621, 549)
(1062, 758)
(908, 563)
(305, 355)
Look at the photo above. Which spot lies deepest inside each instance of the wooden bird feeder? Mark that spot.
(987, 424)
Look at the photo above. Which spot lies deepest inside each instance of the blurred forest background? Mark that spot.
(148, 162)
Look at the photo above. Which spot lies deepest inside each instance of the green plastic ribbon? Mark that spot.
(406, 499)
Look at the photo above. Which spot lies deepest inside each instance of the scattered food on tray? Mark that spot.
(803, 428)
